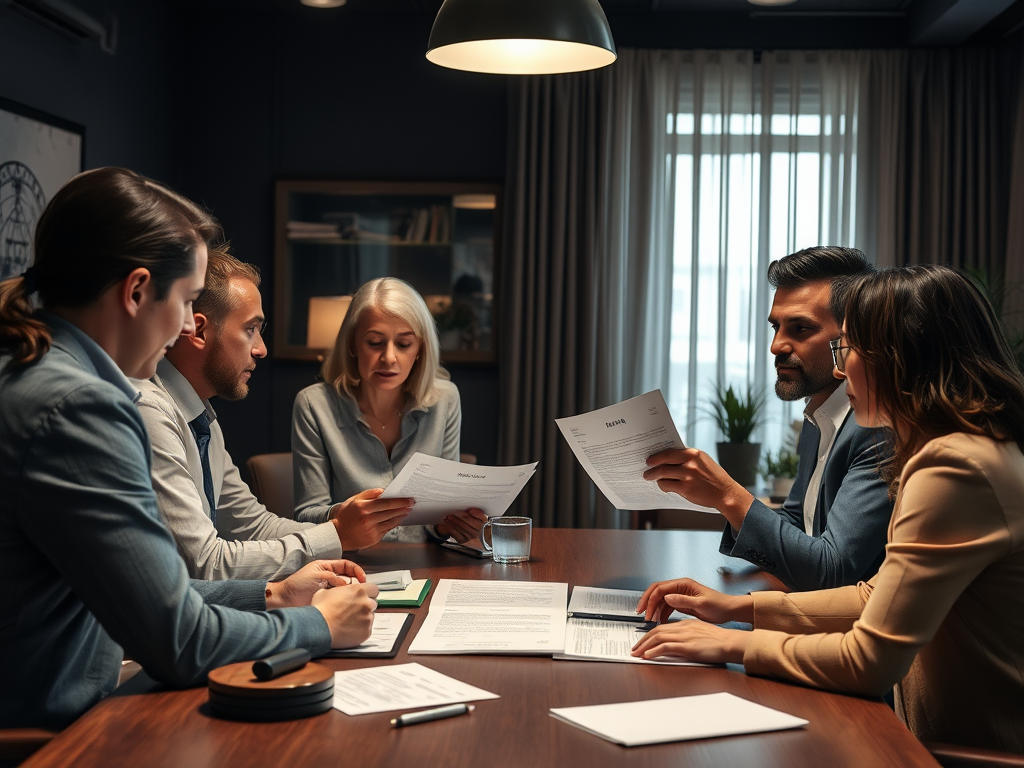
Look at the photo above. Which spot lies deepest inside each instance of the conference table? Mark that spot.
(162, 727)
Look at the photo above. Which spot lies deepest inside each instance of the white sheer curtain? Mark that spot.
(766, 163)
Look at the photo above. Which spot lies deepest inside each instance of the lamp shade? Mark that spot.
(326, 314)
(521, 37)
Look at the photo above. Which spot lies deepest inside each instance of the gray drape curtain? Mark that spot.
(943, 129)
(587, 269)
(586, 285)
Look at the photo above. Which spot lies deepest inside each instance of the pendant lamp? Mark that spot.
(521, 37)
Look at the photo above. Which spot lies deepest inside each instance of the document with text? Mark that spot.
(613, 444)
(598, 640)
(479, 616)
(388, 629)
(441, 487)
(400, 686)
(608, 604)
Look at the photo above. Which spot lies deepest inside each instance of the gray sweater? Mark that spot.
(337, 456)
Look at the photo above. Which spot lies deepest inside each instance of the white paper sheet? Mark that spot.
(613, 444)
(386, 628)
(441, 487)
(477, 616)
(677, 719)
(399, 686)
(597, 640)
(603, 603)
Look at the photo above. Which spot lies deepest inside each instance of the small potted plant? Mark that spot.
(780, 471)
(737, 416)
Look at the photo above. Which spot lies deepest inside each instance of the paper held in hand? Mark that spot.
(613, 444)
(441, 487)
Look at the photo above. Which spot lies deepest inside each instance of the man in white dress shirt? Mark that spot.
(221, 530)
(831, 530)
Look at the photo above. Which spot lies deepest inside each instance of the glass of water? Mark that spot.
(510, 538)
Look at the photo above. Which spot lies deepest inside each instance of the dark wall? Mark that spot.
(121, 100)
(299, 92)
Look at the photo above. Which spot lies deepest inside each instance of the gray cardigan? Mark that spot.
(337, 456)
(87, 564)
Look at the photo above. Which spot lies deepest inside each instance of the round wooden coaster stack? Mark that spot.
(236, 694)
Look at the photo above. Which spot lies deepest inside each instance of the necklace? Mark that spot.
(384, 424)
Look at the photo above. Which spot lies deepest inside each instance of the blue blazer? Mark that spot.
(87, 564)
(851, 520)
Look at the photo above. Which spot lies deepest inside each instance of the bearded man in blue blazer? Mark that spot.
(831, 530)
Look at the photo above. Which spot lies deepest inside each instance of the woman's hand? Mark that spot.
(687, 596)
(463, 526)
(298, 589)
(694, 641)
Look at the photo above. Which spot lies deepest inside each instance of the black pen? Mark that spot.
(426, 715)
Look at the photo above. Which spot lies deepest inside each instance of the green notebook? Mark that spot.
(410, 597)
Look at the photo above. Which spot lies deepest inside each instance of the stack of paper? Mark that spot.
(385, 638)
(410, 597)
(520, 617)
(678, 719)
(603, 625)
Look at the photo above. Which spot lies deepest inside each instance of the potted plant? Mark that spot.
(737, 416)
(780, 471)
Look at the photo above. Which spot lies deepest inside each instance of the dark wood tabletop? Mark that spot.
(175, 728)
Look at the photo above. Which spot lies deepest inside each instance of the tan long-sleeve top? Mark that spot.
(943, 618)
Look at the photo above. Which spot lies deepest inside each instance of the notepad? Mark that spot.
(389, 629)
(677, 719)
(410, 597)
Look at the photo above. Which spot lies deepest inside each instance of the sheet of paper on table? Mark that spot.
(478, 616)
(441, 487)
(387, 628)
(399, 686)
(597, 640)
(677, 719)
(608, 604)
(612, 444)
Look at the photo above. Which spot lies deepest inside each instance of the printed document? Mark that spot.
(608, 604)
(401, 686)
(597, 640)
(386, 629)
(677, 719)
(613, 444)
(441, 487)
(477, 616)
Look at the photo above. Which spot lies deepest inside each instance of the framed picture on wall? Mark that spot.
(38, 154)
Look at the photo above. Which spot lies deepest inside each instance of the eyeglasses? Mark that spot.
(839, 353)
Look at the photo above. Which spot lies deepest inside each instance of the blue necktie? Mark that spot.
(200, 427)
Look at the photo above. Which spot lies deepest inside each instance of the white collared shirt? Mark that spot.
(828, 419)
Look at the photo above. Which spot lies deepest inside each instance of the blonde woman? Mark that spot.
(384, 397)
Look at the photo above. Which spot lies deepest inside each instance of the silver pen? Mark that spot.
(426, 715)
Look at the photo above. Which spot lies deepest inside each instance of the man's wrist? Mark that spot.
(735, 505)
(276, 595)
(742, 609)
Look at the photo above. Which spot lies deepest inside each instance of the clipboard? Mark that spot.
(355, 653)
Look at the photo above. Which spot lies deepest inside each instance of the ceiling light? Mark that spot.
(323, 3)
(771, 2)
(521, 37)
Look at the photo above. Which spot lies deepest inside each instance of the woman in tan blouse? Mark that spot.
(943, 619)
